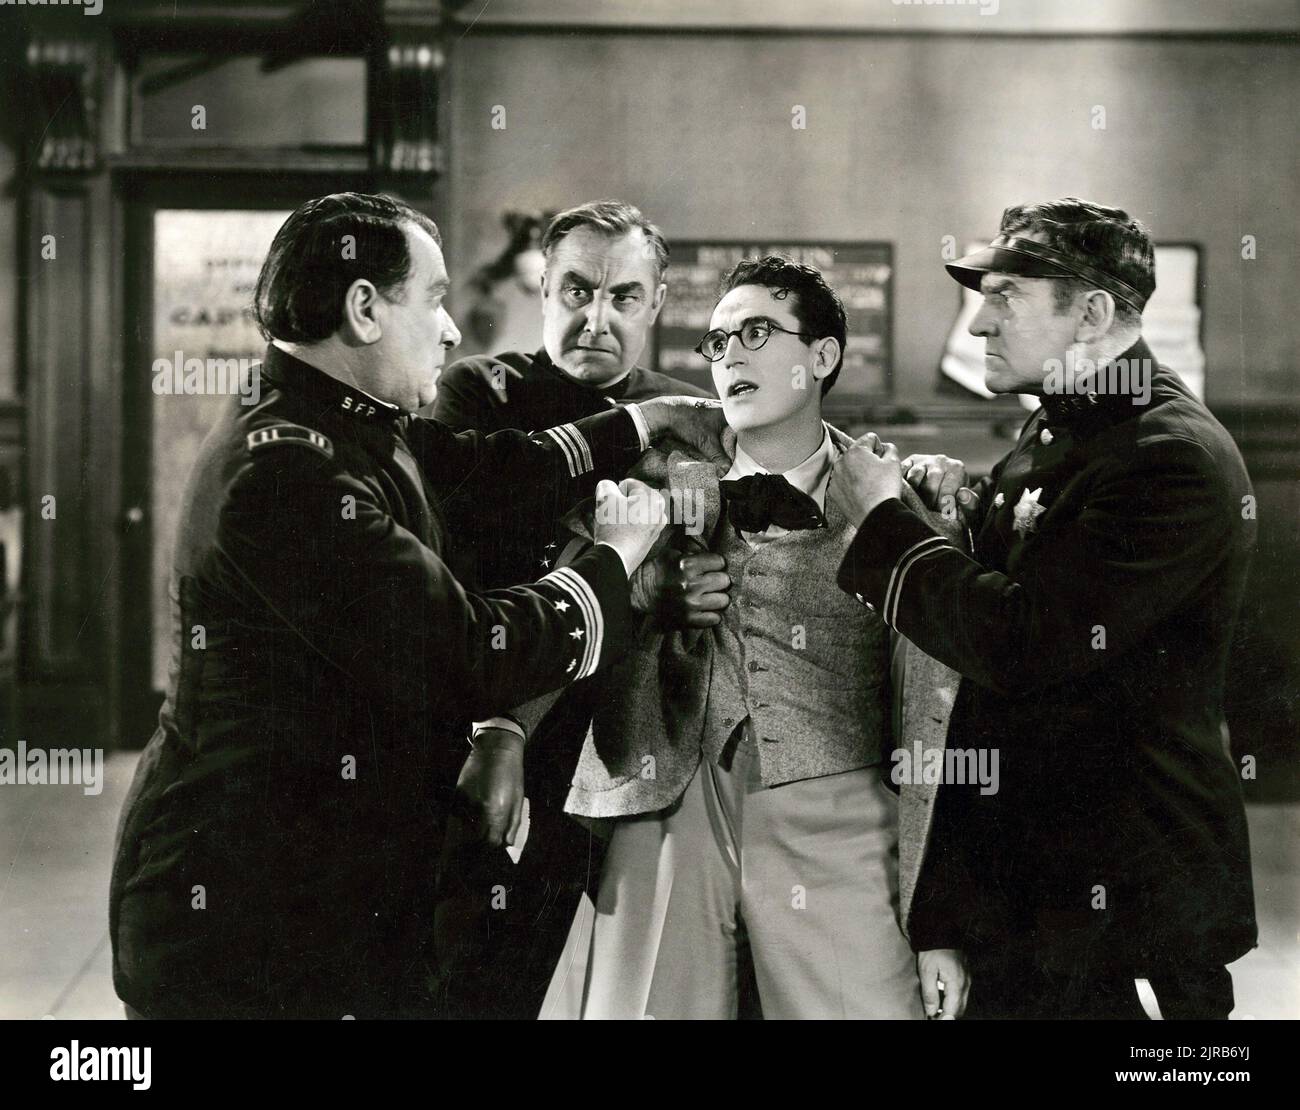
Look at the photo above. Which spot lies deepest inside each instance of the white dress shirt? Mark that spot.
(811, 476)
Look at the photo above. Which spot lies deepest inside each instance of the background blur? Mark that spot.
(148, 153)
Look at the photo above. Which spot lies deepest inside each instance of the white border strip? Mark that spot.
(571, 457)
(905, 563)
(593, 621)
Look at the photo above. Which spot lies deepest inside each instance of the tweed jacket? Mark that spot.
(646, 738)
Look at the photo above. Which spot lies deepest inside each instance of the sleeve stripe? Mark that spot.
(642, 428)
(898, 593)
(592, 619)
(890, 606)
(580, 444)
(570, 455)
(593, 622)
(505, 724)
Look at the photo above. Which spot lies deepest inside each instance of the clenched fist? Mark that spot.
(682, 591)
(491, 785)
(864, 476)
(629, 517)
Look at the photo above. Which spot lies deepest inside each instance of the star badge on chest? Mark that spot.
(1027, 511)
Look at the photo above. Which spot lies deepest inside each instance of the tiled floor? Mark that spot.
(56, 849)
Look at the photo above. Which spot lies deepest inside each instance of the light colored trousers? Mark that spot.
(802, 878)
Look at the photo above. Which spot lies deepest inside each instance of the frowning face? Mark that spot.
(600, 297)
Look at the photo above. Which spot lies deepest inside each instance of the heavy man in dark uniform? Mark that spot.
(1109, 876)
(275, 855)
(601, 293)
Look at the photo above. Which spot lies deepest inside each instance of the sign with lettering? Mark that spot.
(206, 350)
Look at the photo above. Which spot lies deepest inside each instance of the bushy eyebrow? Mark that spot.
(439, 287)
(576, 278)
(628, 287)
(1000, 285)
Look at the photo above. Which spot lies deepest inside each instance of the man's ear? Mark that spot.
(544, 286)
(1098, 316)
(826, 354)
(657, 301)
(361, 324)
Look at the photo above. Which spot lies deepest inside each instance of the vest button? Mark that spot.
(728, 721)
(753, 667)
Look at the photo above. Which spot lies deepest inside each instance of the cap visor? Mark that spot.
(997, 260)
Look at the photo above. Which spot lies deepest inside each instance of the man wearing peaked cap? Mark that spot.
(1109, 875)
(275, 853)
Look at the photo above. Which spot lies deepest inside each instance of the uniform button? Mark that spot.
(728, 721)
(1045, 436)
(754, 668)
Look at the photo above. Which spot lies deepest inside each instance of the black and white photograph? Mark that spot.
(558, 510)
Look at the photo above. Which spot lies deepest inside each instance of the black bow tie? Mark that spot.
(759, 500)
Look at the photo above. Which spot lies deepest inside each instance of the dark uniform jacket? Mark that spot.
(542, 397)
(1092, 625)
(276, 852)
(497, 960)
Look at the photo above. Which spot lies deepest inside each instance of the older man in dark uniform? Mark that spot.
(1109, 877)
(602, 290)
(274, 857)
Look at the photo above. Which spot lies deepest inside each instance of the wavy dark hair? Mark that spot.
(816, 305)
(610, 217)
(311, 265)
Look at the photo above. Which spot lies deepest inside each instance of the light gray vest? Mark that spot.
(805, 662)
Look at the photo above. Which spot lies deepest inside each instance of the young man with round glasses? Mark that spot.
(741, 764)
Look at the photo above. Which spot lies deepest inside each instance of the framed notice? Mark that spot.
(205, 267)
(861, 273)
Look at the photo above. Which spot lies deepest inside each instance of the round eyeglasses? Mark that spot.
(753, 335)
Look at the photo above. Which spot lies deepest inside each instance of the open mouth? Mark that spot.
(740, 388)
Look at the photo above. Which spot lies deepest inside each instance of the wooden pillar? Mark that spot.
(69, 395)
